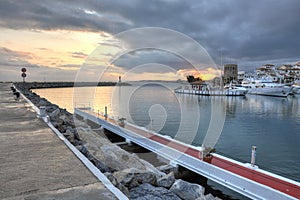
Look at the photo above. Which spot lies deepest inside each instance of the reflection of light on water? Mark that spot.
(102, 98)
(218, 111)
(60, 96)
(190, 113)
(272, 106)
(158, 117)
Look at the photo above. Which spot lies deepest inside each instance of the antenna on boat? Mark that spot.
(221, 62)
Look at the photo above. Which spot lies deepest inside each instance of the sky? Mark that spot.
(61, 40)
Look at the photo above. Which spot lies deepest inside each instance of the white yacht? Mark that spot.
(296, 87)
(266, 87)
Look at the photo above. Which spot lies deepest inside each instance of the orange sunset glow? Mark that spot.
(64, 52)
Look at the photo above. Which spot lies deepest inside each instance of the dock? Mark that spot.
(243, 178)
(35, 163)
(211, 92)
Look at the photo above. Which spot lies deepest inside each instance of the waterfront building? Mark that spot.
(264, 70)
(289, 72)
(295, 71)
(230, 73)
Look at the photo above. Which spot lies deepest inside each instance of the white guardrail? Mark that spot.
(228, 179)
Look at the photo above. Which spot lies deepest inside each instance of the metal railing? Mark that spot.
(226, 178)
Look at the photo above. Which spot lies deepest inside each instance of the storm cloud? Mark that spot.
(246, 32)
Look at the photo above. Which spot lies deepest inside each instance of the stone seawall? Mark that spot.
(36, 85)
(135, 177)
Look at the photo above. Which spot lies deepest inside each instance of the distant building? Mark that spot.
(264, 70)
(284, 68)
(289, 72)
(230, 73)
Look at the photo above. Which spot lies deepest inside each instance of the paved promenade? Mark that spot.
(34, 163)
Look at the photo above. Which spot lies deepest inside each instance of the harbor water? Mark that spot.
(231, 124)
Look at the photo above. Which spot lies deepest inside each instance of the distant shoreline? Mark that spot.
(43, 85)
(53, 84)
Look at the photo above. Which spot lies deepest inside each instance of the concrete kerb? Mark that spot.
(94, 170)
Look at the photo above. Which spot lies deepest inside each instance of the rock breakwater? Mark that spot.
(136, 178)
(38, 85)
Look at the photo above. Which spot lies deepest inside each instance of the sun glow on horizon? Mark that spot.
(59, 53)
(53, 48)
(205, 74)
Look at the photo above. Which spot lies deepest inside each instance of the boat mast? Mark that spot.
(221, 81)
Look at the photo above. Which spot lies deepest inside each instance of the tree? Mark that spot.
(191, 78)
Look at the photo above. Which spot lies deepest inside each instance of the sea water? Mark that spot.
(231, 124)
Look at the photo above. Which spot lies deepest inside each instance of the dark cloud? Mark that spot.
(12, 61)
(138, 58)
(9, 57)
(70, 15)
(258, 30)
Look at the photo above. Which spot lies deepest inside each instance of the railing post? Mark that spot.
(105, 112)
(253, 155)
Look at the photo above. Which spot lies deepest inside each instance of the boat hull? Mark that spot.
(271, 91)
(296, 90)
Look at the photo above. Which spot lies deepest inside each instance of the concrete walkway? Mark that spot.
(34, 163)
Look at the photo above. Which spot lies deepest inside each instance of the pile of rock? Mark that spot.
(136, 178)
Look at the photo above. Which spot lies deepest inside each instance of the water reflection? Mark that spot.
(272, 124)
(260, 105)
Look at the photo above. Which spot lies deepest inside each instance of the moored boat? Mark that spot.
(296, 87)
(266, 87)
(205, 90)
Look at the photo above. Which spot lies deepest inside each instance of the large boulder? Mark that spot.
(131, 178)
(186, 190)
(114, 181)
(62, 117)
(57, 122)
(207, 197)
(54, 114)
(42, 102)
(100, 165)
(51, 108)
(74, 130)
(69, 120)
(167, 169)
(112, 155)
(149, 192)
(119, 159)
(62, 128)
(69, 134)
(166, 181)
